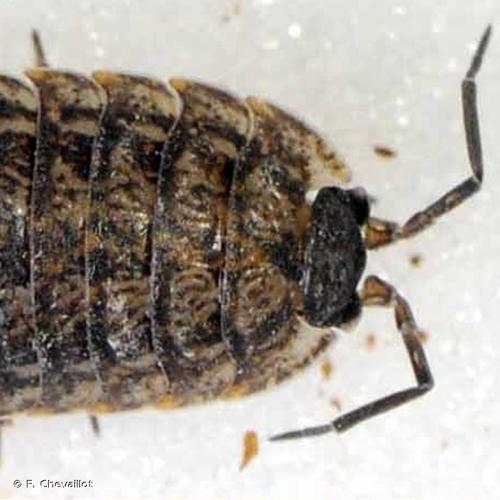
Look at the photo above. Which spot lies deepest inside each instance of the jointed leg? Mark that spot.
(94, 424)
(379, 232)
(378, 292)
(40, 60)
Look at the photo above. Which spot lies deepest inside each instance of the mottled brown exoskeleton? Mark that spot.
(157, 245)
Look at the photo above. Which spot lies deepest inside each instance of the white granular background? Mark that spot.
(362, 73)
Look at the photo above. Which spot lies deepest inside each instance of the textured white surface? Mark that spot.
(361, 73)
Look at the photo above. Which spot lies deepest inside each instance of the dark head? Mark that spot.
(335, 257)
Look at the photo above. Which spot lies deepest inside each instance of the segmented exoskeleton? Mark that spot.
(129, 209)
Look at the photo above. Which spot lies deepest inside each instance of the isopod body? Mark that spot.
(158, 244)
(152, 241)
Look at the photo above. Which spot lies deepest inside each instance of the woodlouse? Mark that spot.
(157, 245)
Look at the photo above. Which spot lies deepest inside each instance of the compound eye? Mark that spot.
(359, 201)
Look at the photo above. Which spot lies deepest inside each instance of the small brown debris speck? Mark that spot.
(232, 10)
(384, 151)
(370, 341)
(416, 259)
(335, 402)
(423, 336)
(250, 448)
(326, 369)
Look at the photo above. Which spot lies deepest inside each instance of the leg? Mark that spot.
(377, 292)
(40, 60)
(94, 424)
(379, 232)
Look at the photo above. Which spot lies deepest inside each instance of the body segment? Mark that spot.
(136, 122)
(69, 110)
(19, 368)
(189, 240)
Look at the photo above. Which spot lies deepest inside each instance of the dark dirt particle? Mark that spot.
(416, 259)
(384, 151)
